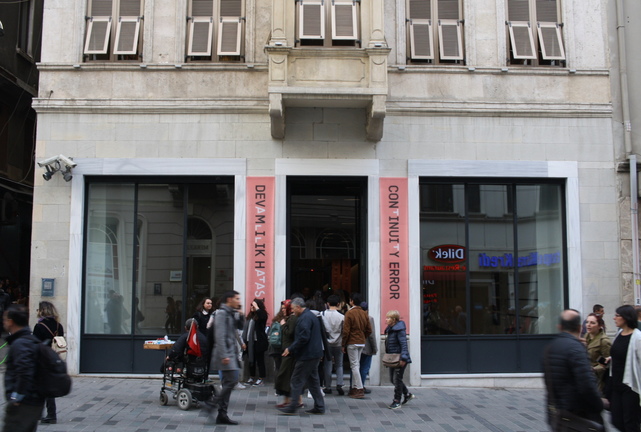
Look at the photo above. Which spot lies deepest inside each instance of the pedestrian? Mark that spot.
(255, 339)
(48, 327)
(356, 329)
(625, 374)
(24, 404)
(598, 345)
(333, 321)
(225, 354)
(570, 381)
(370, 349)
(282, 383)
(597, 309)
(396, 343)
(307, 348)
(203, 313)
(275, 339)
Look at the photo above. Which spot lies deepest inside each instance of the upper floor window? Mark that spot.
(435, 31)
(534, 28)
(113, 30)
(222, 18)
(26, 28)
(328, 22)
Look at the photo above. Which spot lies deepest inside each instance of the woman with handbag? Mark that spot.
(598, 345)
(396, 343)
(625, 374)
(46, 330)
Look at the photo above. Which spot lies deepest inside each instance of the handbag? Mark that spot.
(564, 420)
(391, 360)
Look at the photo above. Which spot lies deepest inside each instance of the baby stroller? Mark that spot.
(186, 381)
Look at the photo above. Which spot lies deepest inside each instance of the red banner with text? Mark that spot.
(260, 242)
(394, 248)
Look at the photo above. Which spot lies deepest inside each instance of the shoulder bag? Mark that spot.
(391, 360)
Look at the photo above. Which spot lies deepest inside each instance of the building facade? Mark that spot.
(451, 159)
(21, 27)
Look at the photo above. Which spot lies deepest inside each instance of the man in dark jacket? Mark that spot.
(24, 404)
(307, 348)
(570, 381)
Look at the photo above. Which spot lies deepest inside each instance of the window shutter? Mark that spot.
(99, 26)
(551, 42)
(311, 19)
(450, 39)
(201, 30)
(202, 8)
(420, 27)
(231, 8)
(98, 31)
(128, 27)
(546, 11)
(518, 10)
(522, 40)
(344, 20)
(127, 33)
(229, 32)
(448, 10)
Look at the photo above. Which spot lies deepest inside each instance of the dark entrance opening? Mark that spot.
(327, 232)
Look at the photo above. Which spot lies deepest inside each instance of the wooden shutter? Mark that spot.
(201, 28)
(229, 32)
(128, 27)
(549, 30)
(450, 34)
(420, 29)
(518, 10)
(311, 20)
(99, 26)
(344, 20)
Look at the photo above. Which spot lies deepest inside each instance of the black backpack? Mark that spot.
(52, 378)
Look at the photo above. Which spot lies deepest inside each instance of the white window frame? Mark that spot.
(526, 25)
(105, 36)
(199, 22)
(435, 27)
(315, 4)
(133, 46)
(558, 40)
(224, 23)
(459, 39)
(354, 25)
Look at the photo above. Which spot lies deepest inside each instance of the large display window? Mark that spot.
(492, 262)
(153, 251)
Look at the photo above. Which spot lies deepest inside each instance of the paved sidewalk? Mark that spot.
(131, 405)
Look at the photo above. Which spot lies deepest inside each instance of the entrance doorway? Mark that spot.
(326, 235)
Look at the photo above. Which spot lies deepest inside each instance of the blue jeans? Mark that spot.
(366, 364)
(337, 355)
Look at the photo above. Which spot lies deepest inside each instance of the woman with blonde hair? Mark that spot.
(396, 343)
(45, 330)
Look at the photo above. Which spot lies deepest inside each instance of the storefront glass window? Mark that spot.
(492, 258)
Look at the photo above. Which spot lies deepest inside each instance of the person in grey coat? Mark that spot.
(224, 356)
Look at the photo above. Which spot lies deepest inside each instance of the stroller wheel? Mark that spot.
(163, 398)
(184, 399)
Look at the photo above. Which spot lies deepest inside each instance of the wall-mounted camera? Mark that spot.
(54, 164)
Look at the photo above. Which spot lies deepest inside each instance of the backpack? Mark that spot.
(275, 339)
(51, 373)
(58, 343)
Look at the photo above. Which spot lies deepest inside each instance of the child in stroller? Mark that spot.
(185, 373)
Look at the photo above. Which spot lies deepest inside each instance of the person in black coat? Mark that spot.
(203, 313)
(571, 383)
(255, 339)
(45, 330)
(24, 404)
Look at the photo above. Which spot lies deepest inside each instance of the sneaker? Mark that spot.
(240, 386)
(408, 397)
(327, 391)
(394, 405)
(258, 382)
(340, 390)
(250, 381)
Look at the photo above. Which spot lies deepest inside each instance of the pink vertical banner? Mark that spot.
(395, 293)
(259, 260)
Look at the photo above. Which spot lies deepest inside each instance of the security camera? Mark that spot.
(58, 160)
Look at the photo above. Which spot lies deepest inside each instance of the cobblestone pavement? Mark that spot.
(132, 405)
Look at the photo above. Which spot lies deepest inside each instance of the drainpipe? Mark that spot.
(627, 139)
